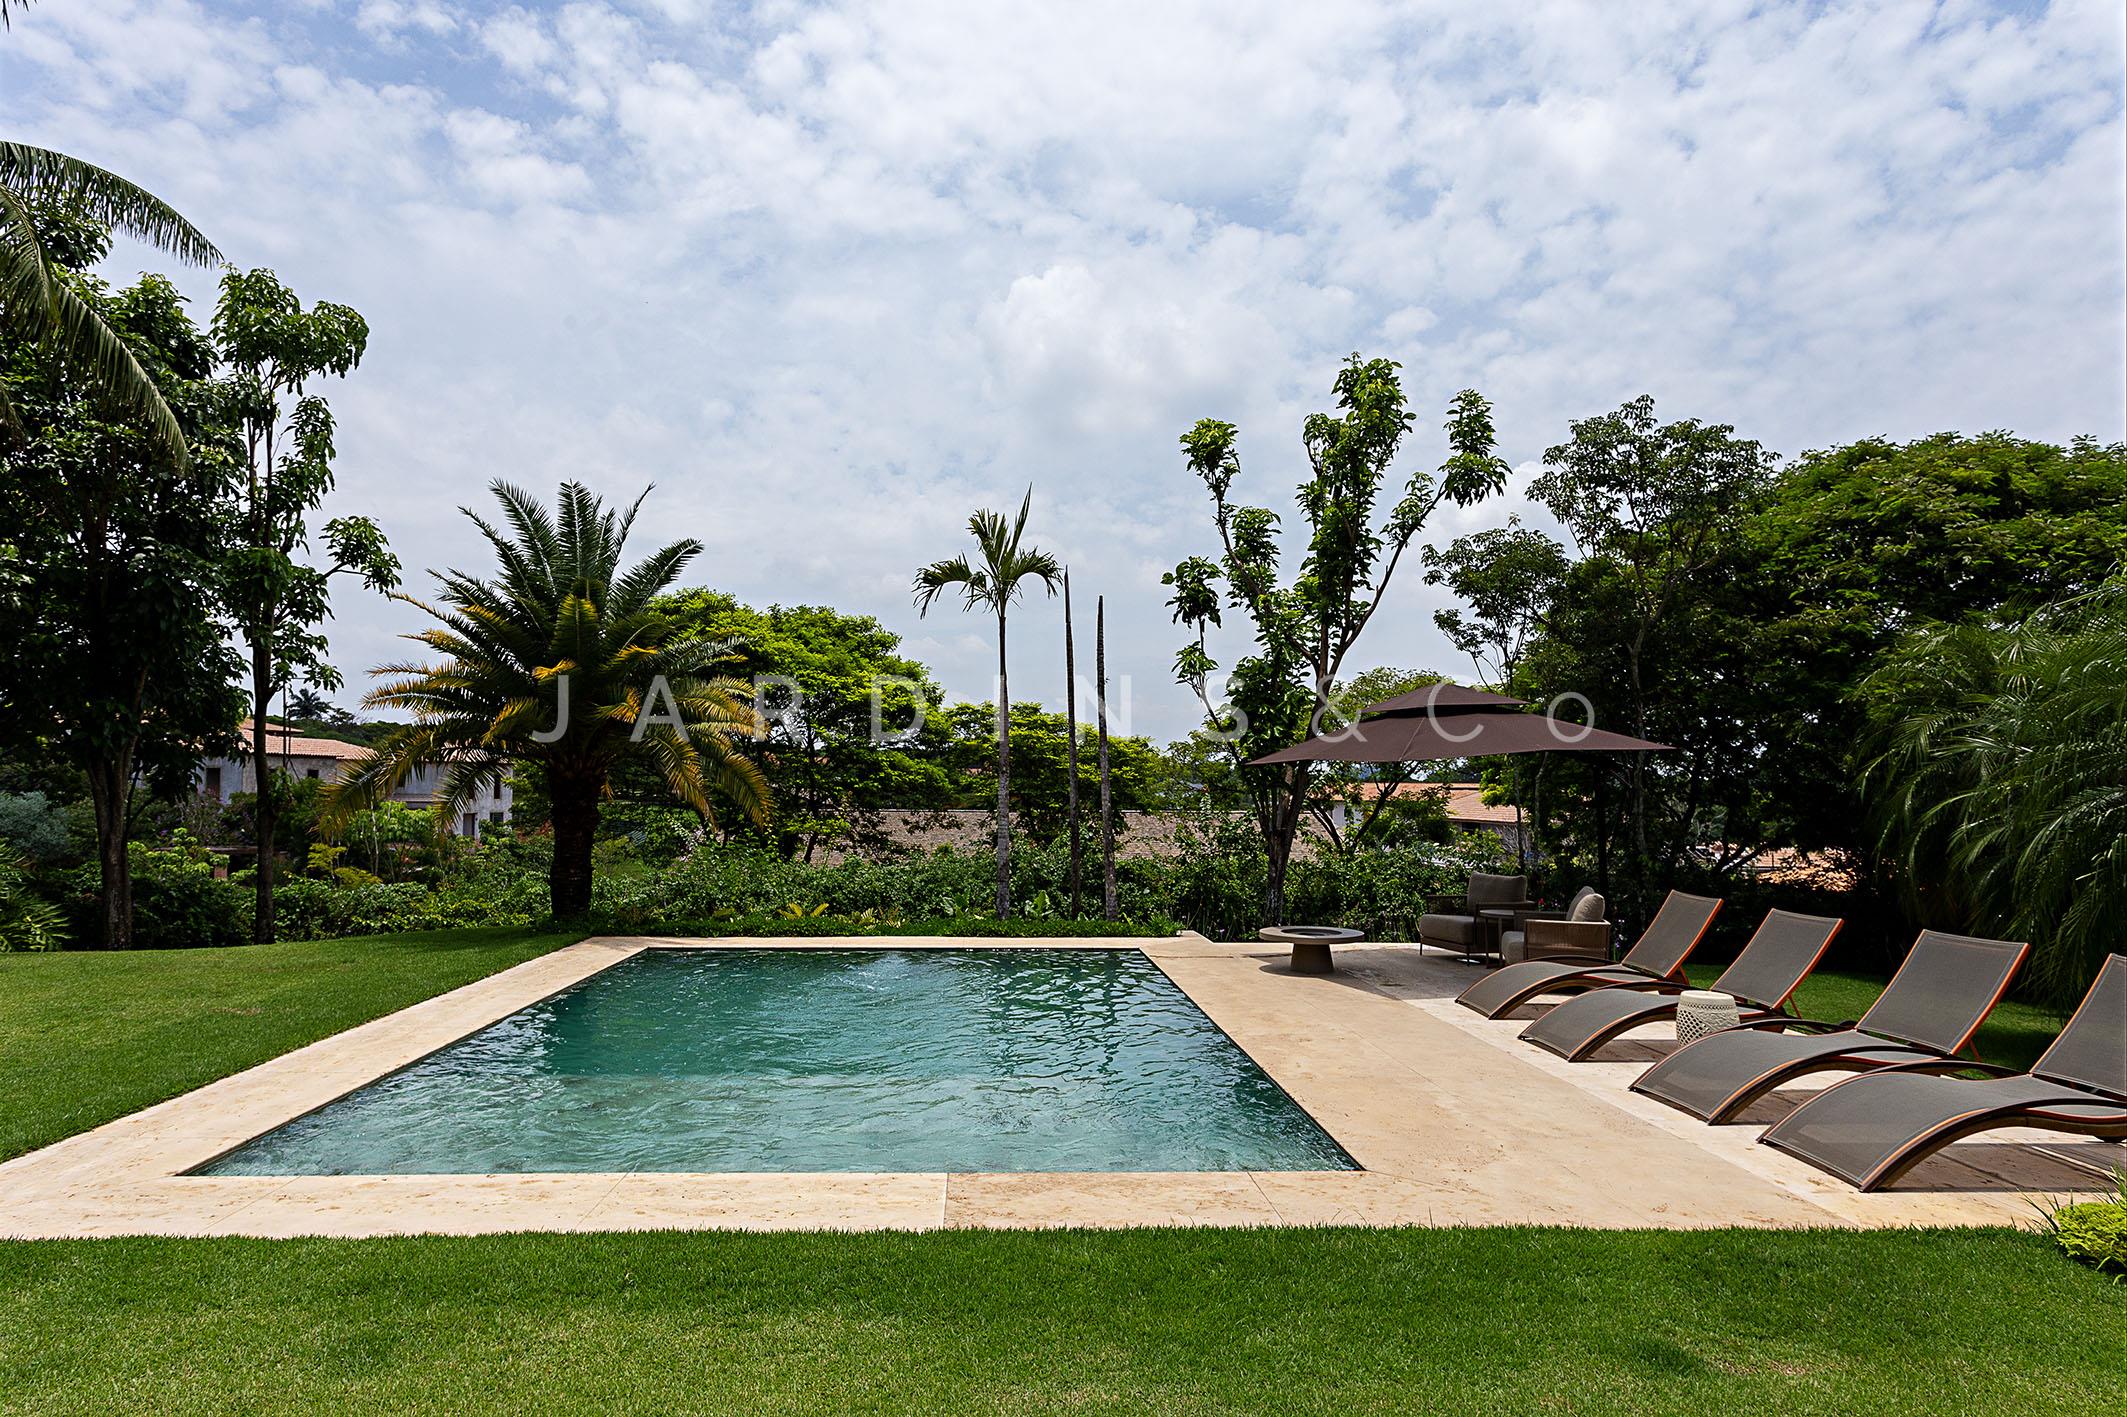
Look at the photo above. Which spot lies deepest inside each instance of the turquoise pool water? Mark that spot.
(824, 1060)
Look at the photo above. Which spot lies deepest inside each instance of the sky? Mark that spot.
(832, 276)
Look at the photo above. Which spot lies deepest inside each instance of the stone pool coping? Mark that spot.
(1453, 1120)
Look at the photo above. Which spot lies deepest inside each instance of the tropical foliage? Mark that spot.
(1303, 631)
(565, 665)
(1998, 779)
(43, 301)
(994, 583)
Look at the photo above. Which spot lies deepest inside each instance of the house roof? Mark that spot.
(282, 742)
(1465, 801)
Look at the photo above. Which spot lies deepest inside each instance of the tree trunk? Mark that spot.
(110, 785)
(1107, 807)
(575, 819)
(1071, 732)
(1004, 780)
(1285, 829)
(262, 804)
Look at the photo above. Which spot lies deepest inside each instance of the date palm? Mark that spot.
(994, 585)
(36, 299)
(564, 662)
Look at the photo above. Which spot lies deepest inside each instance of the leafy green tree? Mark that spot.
(1041, 766)
(1006, 565)
(271, 349)
(1508, 578)
(109, 544)
(823, 676)
(1304, 630)
(1648, 503)
(1997, 774)
(42, 298)
(564, 663)
(1877, 536)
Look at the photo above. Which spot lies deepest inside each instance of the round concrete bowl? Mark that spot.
(1310, 944)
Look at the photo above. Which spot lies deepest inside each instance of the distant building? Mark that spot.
(329, 759)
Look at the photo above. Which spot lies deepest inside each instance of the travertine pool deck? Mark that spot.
(1454, 1121)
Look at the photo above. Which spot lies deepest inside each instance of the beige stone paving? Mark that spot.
(1454, 1121)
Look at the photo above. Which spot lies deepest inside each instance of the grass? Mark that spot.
(2013, 1035)
(1341, 1321)
(1182, 1321)
(90, 1036)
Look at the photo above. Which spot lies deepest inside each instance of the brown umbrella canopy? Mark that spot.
(1445, 721)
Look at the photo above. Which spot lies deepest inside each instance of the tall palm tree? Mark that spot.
(563, 661)
(1999, 779)
(993, 586)
(36, 299)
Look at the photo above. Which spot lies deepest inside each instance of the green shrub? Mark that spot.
(178, 903)
(28, 922)
(2094, 1232)
(34, 827)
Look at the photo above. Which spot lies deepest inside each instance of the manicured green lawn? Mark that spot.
(1330, 1321)
(90, 1035)
(1508, 1321)
(2013, 1035)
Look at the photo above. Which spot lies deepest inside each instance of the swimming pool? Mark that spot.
(824, 1060)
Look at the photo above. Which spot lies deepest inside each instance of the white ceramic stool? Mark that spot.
(1702, 1011)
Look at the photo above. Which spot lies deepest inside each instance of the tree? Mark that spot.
(823, 675)
(995, 585)
(109, 544)
(307, 704)
(1303, 631)
(1044, 767)
(566, 663)
(1507, 576)
(1071, 749)
(1996, 771)
(41, 301)
(272, 348)
(1648, 503)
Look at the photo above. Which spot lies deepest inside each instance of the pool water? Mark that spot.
(824, 1060)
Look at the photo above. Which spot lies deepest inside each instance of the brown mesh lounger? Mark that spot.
(1784, 948)
(1670, 938)
(1871, 1130)
(1930, 1010)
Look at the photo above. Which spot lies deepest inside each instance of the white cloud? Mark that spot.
(832, 275)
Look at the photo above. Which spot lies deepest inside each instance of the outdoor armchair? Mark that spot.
(1467, 932)
(1578, 931)
(1872, 1129)
(1784, 948)
(1669, 939)
(1929, 1011)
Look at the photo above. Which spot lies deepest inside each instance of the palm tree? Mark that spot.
(36, 299)
(564, 637)
(994, 586)
(307, 705)
(1999, 779)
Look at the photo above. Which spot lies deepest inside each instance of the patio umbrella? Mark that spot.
(1446, 721)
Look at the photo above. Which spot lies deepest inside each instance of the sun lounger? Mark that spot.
(1660, 954)
(1930, 1010)
(1872, 1129)
(1784, 948)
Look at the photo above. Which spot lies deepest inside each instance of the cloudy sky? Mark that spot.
(832, 275)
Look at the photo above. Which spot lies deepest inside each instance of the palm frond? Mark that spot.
(39, 174)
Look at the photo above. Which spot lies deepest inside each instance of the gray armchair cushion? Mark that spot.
(1458, 930)
(1587, 906)
(1496, 890)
